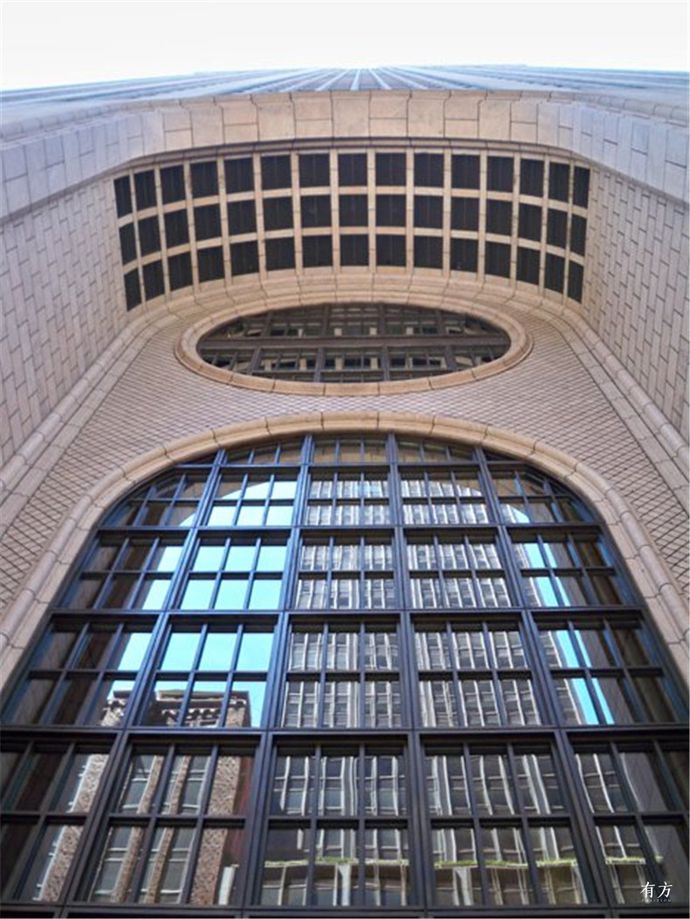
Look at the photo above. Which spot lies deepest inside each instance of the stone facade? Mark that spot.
(96, 399)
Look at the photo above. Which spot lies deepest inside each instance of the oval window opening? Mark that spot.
(353, 343)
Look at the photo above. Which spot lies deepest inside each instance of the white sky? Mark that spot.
(52, 43)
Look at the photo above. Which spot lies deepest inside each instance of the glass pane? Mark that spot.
(456, 871)
(446, 783)
(335, 868)
(198, 593)
(240, 557)
(271, 558)
(217, 865)
(265, 594)
(130, 651)
(181, 651)
(218, 651)
(601, 782)
(141, 783)
(644, 782)
(387, 867)
(624, 858)
(493, 790)
(506, 866)
(50, 863)
(120, 858)
(384, 785)
(167, 865)
(293, 785)
(557, 866)
(246, 703)
(231, 594)
(205, 704)
(78, 786)
(185, 784)
(255, 651)
(231, 784)
(538, 783)
(669, 847)
(29, 788)
(286, 860)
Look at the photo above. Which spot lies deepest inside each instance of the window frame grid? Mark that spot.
(564, 737)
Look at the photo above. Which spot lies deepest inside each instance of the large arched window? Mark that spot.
(337, 671)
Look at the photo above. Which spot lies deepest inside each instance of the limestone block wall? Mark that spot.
(62, 304)
(62, 286)
(636, 289)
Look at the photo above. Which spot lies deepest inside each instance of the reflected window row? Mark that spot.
(335, 648)
(342, 703)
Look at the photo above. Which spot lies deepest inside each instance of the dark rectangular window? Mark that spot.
(314, 169)
(532, 178)
(277, 213)
(352, 168)
(128, 246)
(316, 210)
(176, 228)
(529, 222)
(354, 250)
(581, 186)
(204, 179)
(390, 249)
(132, 289)
(554, 272)
(145, 189)
(497, 257)
(275, 172)
(428, 252)
(578, 233)
(244, 258)
(528, 265)
(559, 179)
(153, 280)
(123, 196)
(499, 217)
(180, 270)
(280, 253)
(149, 236)
(211, 263)
(242, 217)
(428, 211)
(239, 175)
(428, 169)
(172, 184)
(390, 169)
(499, 176)
(463, 255)
(464, 213)
(353, 211)
(317, 251)
(575, 281)
(390, 210)
(556, 225)
(465, 171)
(207, 221)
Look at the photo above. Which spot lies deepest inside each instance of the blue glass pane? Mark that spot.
(240, 558)
(265, 594)
(247, 698)
(208, 558)
(153, 593)
(284, 490)
(166, 558)
(251, 515)
(218, 649)
(198, 593)
(257, 490)
(131, 655)
(255, 651)
(181, 650)
(279, 515)
(231, 594)
(222, 515)
(271, 558)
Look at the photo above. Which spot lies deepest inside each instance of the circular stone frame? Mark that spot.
(186, 351)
